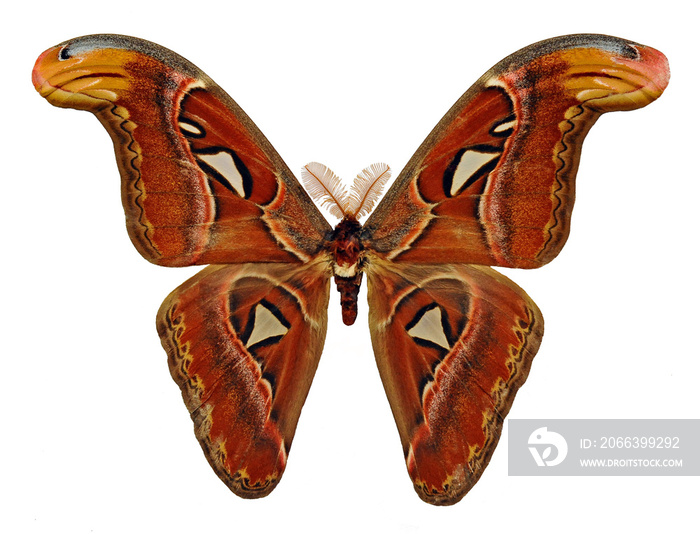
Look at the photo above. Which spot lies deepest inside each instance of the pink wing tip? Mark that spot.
(38, 77)
(658, 69)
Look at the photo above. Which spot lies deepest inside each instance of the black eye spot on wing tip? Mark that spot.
(64, 54)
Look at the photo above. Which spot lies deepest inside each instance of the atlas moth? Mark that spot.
(492, 185)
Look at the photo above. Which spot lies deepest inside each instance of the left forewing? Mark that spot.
(200, 183)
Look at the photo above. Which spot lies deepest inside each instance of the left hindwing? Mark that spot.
(493, 184)
(453, 344)
(243, 343)
(200, 183)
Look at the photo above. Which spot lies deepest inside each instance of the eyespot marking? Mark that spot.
(266, 325)
(427, 325)
(468, 166)
(63, 54)
(226, 170)
(504, 127)
(191, 128)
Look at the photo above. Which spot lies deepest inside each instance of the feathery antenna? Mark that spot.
(367, 188)
(325, 187)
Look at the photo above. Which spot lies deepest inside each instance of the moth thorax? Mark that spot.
(346, 248)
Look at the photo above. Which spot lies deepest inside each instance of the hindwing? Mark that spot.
(243, 343)
(453, 343)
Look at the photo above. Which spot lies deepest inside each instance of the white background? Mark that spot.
(95, 437)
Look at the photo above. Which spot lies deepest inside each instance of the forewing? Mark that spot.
(453, 343)
(243, 343)
(200, 183)
(493, 183)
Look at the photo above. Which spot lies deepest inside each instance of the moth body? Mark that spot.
(344, 244)
(346, 248)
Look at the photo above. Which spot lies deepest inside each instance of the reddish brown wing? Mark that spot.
(200, 183)
(493, 183)
(453, 345)
(243, 343)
